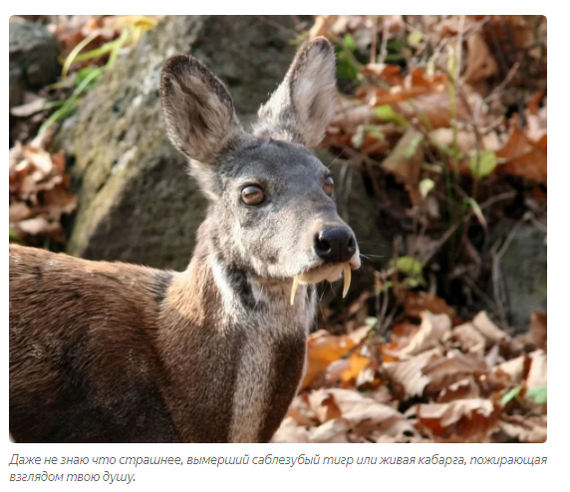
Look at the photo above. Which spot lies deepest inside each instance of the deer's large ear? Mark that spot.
(302, 106)
(198, 110)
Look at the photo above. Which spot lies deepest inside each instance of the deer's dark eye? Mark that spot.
(328, 185)
(252, 195)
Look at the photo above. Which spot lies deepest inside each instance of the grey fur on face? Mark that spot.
(274, 239)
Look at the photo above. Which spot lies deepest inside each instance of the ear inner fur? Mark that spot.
(302, 106)
(198, 110)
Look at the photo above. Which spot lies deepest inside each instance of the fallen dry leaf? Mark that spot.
(515, 369)
(356, 363)
(19, 211)
(538, 329)
(436, 109)
(466, 140)
(331, 431)
(289, 431)
(488, 329)
(354, 407)
(524, 156)
(416, 302)
(463, 389)
(480, 62)
(405, 162)
(324, 348)
(471, 420)
(469, 338)
(38, 190)
(360, 413)
(433, 328)
(444, 372)
(350, 114)
(407, 376)
(29, 108)
(38, 225)
(301, 412)
(537, 372)
(525, 429)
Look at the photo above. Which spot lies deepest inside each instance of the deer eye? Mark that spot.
(252, 195)
(328, 185)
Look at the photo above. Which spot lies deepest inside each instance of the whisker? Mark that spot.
(335, 159)
(259, 296)
(372, 256)
(332, 288)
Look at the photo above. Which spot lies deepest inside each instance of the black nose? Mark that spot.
(335, 244)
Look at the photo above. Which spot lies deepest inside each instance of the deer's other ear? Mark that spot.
(302, 106)
(198, 110)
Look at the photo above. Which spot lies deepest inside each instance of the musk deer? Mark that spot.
(122, 353)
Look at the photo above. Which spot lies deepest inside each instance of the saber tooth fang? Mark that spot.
(347, 279)
(294, 288)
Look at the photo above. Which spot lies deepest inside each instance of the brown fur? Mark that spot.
(99, 354)
(81, 345)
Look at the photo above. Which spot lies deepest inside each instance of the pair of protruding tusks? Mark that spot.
(347, 280)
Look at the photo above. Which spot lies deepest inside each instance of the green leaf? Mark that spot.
(412, 147)
(371, 321)
(386, 113)
(426, 185)
(75, 52)
(394, 57)
(434, 168)
(71, 103)
(412, 282)
(85, 73)
(415, 38)
(14, 236)
(345, 67)
(412, 269)
(408, 266)
(362, 131)
(537, 394)
(511, 395)
(486, 165)
(478, 212)
(349, 42)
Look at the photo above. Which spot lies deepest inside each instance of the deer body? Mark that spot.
(111, 352)
(153, 340)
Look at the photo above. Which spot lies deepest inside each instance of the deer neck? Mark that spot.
(233, 334)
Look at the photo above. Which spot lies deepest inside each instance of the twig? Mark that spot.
(490, 303)
(368, 163)
(374, 39)
(510, 237)
(299, 27)
(384, 45)
(388, 320)
(497, 254)
(460, 46)
(499, 198)
(498, 51)
(276, 25)
(396, 245)
(536, 223)
(534, 44)
(454, 227)
(496, 274)
(495, 93)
